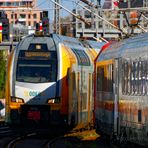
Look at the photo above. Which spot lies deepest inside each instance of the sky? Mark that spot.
(48, 5)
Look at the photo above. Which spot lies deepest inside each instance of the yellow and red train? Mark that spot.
(50, 80)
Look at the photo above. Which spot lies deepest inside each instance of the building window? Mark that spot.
(29, 16)
(87, 26)
(11, 16)
(8, 4)
(34, 16)
(22, 15)
(79, 25)
(23, 3)
(87, 14)
(34, 23)
(1, 4)
(15, 16)
(29, 23)
(23, 23)
(15, 3)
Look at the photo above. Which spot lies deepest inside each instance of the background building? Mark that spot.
(22, 16)
(21, 11)
(110, 11)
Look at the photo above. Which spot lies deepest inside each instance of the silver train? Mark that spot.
(121, 91)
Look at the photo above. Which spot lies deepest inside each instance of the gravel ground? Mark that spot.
(85, 139)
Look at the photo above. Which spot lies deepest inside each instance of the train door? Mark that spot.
(83, 75)
(72, 101)
(81, 93)
(116, 96)
(81, 102)
(84, 85)
(104, 98)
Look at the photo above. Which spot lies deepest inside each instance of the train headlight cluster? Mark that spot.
(17, 100)
(53, 100)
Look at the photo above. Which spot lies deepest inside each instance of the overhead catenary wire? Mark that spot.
(145, 17)
(121, 30)
(89, 3)
(77, 16)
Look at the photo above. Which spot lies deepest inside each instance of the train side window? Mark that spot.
(82, 57)
(134, 77)
(110, 78)
(143, 77)
(146, 77)
(140, 77)
(123, 78)
(105, 78)
(127, 77)
(100, 78)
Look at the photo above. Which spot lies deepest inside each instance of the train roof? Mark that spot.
(130, 48)
(50, 40)
(68, 41)
(25, 42)
(95, 45)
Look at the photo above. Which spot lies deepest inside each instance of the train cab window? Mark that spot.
(36, 67)
(37, 47)
(82, 57)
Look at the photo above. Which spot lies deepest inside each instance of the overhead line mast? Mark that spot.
(89, 3)
(121, 30)
(83, 19)
(57, 18)
(75, 15)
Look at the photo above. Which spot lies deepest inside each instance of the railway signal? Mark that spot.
(45, 22)
(1, 32)
(5, 26)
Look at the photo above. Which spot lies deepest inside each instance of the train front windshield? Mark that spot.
(36, 66)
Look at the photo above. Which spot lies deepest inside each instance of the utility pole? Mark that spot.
(145, 3)
(92, 16)
(75, 15)
(57, 28)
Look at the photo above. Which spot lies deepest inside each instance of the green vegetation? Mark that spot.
(2, 73)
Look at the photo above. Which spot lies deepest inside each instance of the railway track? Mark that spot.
(50, 138)
(36, 137)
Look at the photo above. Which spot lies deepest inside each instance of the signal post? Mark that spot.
(1, 27)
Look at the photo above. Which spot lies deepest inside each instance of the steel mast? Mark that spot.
(57, 28)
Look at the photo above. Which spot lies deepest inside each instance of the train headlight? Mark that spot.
(51, 101)
(17, 100)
